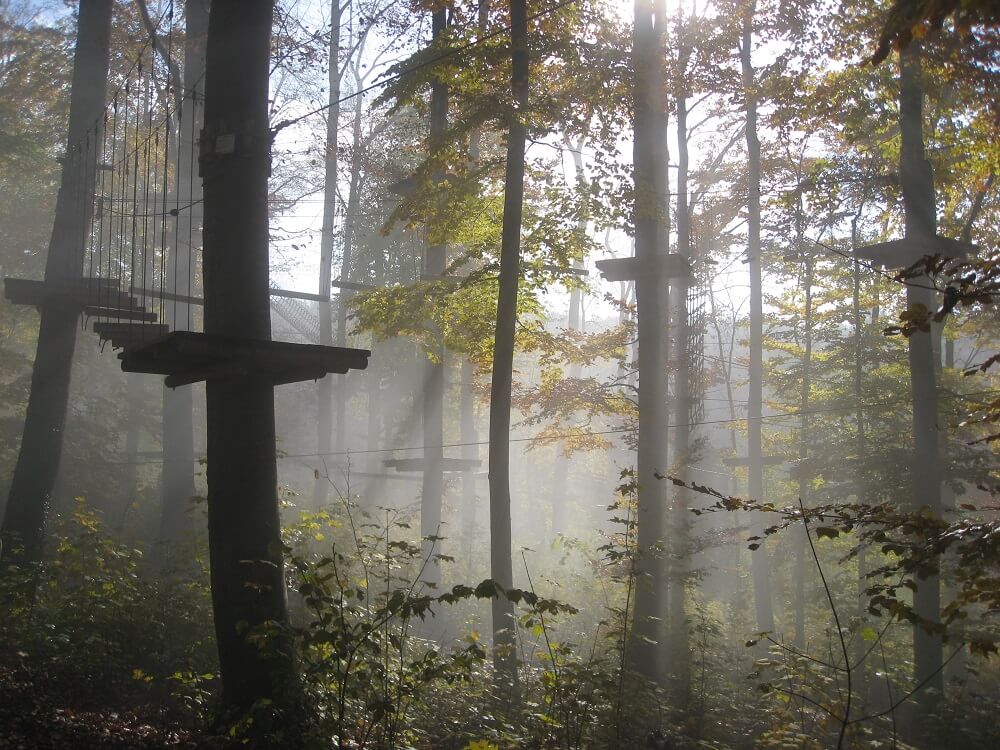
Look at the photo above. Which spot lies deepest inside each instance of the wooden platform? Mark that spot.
(80, 293)
(668, 266)
(905, 252)
(137, 313)
(447, 464)
(126, 335)
(186, 357)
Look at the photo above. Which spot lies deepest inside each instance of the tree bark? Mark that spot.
(244, 529)
(324, 389)
(649, 168)
(917, 182)
(679, 532)
(760, 570)
(560, 474)
(347, 261)
(435, 262)
(41, 441)
(501, 565)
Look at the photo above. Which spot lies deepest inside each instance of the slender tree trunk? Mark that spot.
(347, 262)
(677, 626)
(501, 566)
(862, 489)
(917, 181)
(470, 450)
(324, 389)
(649, 167)
(432, 486)
(759, 564)
(41, 441)
(177, 479)
(560, 484)
(467, 418)
(135, 385)
(801, 563)
(244, 528)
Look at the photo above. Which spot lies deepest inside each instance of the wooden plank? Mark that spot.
(77, 293)
(663, 266)
(187, 357)
(125, 313)
(903, 253)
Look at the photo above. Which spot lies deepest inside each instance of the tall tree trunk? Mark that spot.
(649, 168)
(135, 385)
(347, 262)
(324, 389)
(801, 564)
(432, 486)
(679, 526)
(177, 479)
(470, 450)
(501, 566)
(862, 489)
(244, 528)
(467, 418)
(759, 564)
(41, 441)
(917, 182)
(560, 474)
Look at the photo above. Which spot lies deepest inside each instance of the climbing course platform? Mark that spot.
(186, 357)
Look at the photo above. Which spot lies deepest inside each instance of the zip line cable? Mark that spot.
(579, 433)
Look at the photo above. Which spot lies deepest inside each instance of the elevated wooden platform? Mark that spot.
(80, 293)
(905, 252)
(447, 464)
(664, 266)
(186, 357)
(124, 335)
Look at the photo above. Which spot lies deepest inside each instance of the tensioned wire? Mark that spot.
(586, 433)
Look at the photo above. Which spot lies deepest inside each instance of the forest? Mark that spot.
(499, 374)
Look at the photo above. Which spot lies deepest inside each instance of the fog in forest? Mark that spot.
(485, 375)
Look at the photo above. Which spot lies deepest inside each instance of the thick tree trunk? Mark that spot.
(649, 166)
(432, 486)
(41, 441)
(917, 182)
(760, 569)
(177, 479)
(501, 565)
(324, 389)
(244, 529)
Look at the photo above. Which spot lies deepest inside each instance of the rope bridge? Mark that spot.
(140, 236)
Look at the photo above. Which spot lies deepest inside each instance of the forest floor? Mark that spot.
(38, 714)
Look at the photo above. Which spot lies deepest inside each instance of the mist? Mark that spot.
(498, 375)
